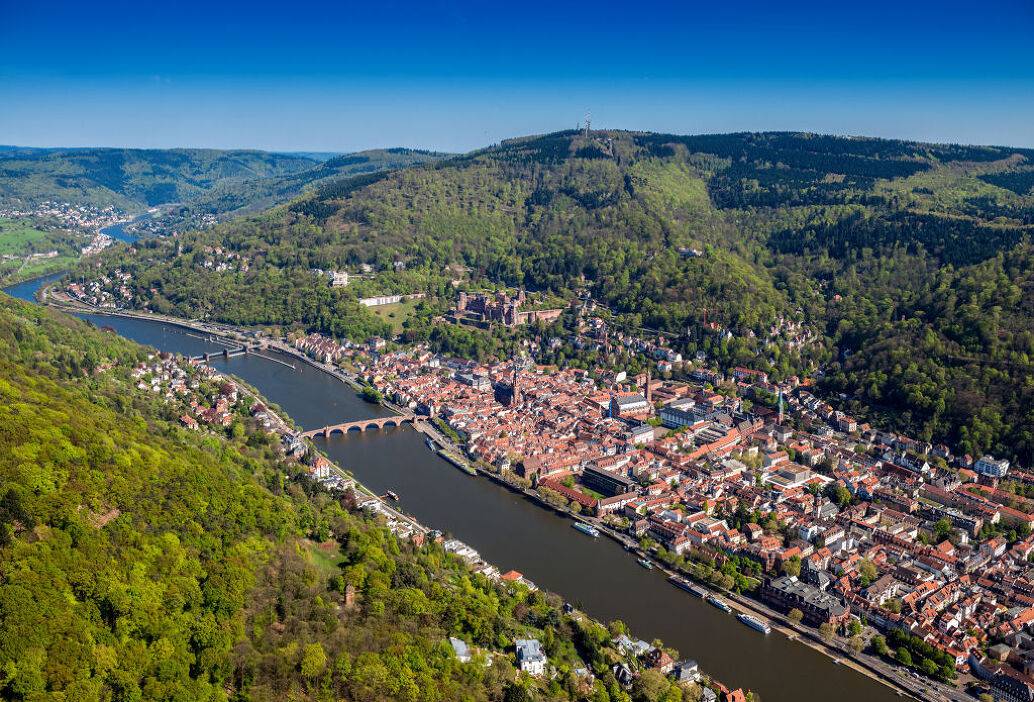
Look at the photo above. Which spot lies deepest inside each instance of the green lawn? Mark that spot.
(590, 492)
(326, 559)
(19, 238)
(397, 313)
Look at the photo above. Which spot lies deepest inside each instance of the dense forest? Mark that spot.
(143, 561)
(205, 181)
(794, 253)
(132, 179)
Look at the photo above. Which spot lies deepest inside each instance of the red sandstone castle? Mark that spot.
(501, 308)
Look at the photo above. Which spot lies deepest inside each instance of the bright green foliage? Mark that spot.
(205, 181)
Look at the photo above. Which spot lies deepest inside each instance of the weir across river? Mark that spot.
(230, 352)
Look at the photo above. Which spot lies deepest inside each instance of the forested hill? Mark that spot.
(784, 251)
(143, 561)
(239, 196)
(211, 181)
(131, 179)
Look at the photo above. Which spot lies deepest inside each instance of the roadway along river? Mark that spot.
(511, 532)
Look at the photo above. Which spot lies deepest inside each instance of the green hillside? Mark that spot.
(727, 241)
(206, 181)
(143, 561)
(237, 196)
(132, 179)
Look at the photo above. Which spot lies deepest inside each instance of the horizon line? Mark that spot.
(432, 150)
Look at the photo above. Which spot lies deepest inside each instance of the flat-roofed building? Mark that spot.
(818, 607)
(610, 484)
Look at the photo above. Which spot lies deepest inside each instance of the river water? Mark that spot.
(512, 532)
(118, 232)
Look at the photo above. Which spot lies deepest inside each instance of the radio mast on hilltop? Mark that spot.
(588, 124)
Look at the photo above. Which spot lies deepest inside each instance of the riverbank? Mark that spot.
(740, 603)
(20, 279)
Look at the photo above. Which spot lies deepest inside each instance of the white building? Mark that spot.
(460, 648)
(992, 467)
(530, 657)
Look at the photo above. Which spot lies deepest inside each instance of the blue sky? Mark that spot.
(342, 76)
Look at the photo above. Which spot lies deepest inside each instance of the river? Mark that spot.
(118, 232)
(512, 532)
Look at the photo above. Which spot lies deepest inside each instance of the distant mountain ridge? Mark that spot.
(232, 197)
(210, 181)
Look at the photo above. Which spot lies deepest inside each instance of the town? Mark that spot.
(882, 542)
(66, 215)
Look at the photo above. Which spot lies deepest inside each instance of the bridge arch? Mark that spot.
(361, 425)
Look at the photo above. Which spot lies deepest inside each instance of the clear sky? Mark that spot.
(456, 75)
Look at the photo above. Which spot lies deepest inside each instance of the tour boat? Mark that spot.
(644, 562)
(392, 495)
(429, 443)
(587, 529)
(683, 584)
(718, 603)
(680, 582)
(754, 623)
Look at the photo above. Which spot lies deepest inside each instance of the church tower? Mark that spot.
(515, 397)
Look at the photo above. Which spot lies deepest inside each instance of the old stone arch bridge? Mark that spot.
(362, 425)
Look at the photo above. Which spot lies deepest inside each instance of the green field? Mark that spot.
(19, 239)
(18, 236)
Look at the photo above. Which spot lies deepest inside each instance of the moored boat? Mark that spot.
(714, 601)
(644, 562)
(680, 582)
(587, 529)
(697, 591)
(754, 623)
(683, 584)
(392, 495)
